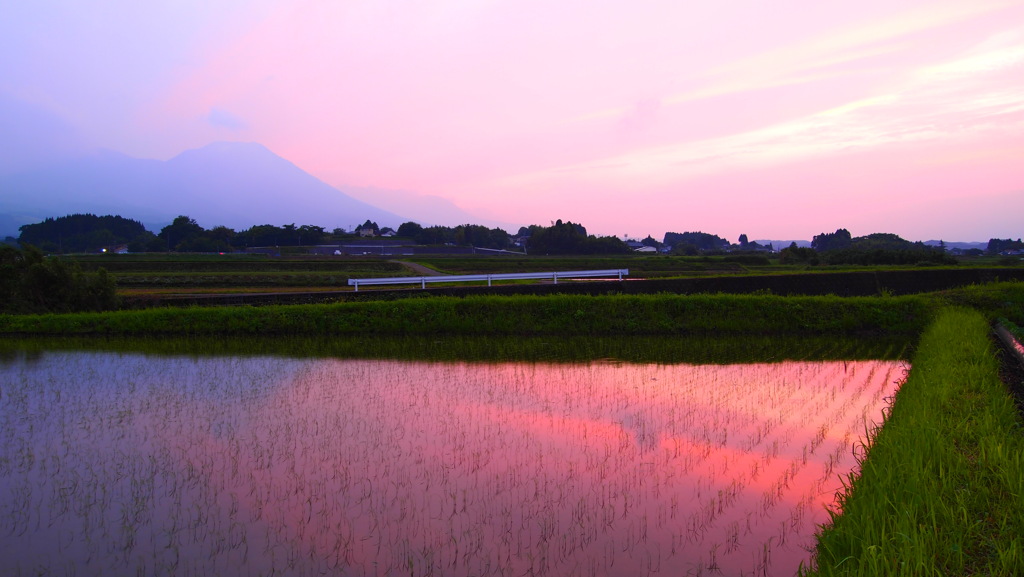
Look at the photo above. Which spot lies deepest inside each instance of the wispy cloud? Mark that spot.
(954, 99)
(834, 53)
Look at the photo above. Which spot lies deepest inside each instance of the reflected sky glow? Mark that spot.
(243, 466)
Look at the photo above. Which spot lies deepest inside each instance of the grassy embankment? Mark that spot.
(620, 315)
(565, 314)
(942, 489)
(197, 274)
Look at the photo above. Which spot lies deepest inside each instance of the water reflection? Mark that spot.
(124, 463)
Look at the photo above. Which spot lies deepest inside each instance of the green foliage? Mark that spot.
(462, 235)
(839, 248)
(998, 245)
(570, 238)
(519, 315)
(81, 233)
(912, 253)
(941, 490)
(481, 236)
(434, 235)
(33, 283)
(702, 241)
(409, 229)
(794, 254)
(837, 240)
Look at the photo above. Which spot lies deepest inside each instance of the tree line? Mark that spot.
(840, 247)
(91, 233)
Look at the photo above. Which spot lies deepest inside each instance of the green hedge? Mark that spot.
(520, 315)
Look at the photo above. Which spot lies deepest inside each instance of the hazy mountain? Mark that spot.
(959, 245)
(781, 244)
(225, 183)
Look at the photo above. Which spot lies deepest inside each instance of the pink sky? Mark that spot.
(774, 119)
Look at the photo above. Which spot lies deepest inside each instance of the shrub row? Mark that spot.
(522, 315)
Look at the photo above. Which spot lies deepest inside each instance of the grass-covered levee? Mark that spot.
(620, 315)
(941, 488)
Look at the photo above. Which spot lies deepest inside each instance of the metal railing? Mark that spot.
(554, 276)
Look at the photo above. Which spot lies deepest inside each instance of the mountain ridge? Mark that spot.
(234, 184)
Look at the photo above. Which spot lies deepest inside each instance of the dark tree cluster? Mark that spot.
(462, 235)
(692, 243)
(837, 240)
(571, 238)
(286, 235)
(33, 283)
(81, 233)
(794, 254)
(999, 245)
(90, 233)
(874, 249)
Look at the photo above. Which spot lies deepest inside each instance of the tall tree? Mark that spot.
(837, 240)
(410, 229)
(180, 232)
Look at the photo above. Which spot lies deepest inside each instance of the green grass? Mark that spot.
(619, 315)
(941, 491)
(996, 300)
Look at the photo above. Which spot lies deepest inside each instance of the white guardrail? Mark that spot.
(554, 276)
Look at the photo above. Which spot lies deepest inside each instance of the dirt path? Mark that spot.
(419, 269)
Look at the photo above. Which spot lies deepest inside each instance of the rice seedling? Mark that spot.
(125, 463)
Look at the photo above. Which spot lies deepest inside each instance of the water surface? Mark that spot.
(124, 464)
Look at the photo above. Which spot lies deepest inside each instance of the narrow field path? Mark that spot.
(418, 268)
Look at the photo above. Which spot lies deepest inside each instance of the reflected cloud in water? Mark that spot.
(126, 462)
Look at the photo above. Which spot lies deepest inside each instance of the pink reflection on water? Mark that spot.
(378, 468)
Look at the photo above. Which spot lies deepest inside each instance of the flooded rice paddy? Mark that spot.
(135, 464)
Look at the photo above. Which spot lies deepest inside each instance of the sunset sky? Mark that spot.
(779, 119)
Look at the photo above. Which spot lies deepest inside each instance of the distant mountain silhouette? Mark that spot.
(233, 184)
